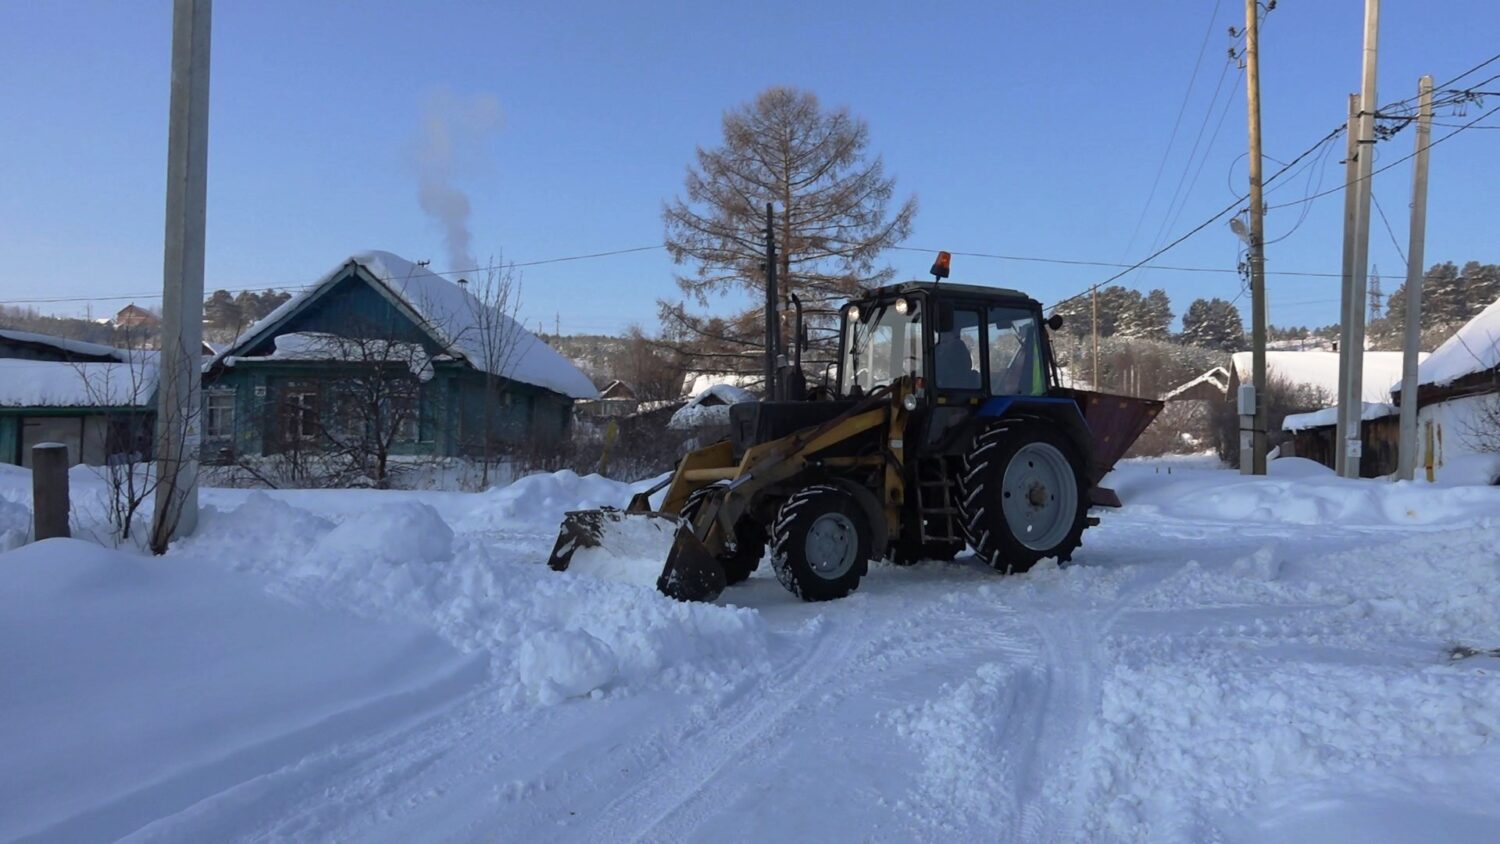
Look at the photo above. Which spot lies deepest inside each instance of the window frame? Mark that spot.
(230, 393)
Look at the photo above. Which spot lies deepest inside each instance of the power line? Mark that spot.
(1386, 167)
(299, 287)
(1201, 226)
(1078, 262)
(1394, 242)
(1176, 124)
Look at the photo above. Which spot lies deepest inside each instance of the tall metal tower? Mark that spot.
(1375, 296)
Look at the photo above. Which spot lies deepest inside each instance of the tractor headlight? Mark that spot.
(854, 313)
(910, 401)
(902, 307)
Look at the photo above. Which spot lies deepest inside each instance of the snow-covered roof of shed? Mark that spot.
(77, 347)
(48, 383)
(1473, 348)
(1330, 416)
(449, 310)
(1320, 370)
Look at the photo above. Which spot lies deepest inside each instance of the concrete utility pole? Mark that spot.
(1351, 215)
(1351, 403)
(1257, 237)
(1407, 448)
(180, 374)
(49, 490)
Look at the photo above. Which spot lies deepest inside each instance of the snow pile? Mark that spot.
(549, 636)
(136, 686)
(1473, 348)
(15, 524)
(315, 345)
(1298, 492)
(457, 319)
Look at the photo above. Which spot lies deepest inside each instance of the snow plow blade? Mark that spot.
(629, 547)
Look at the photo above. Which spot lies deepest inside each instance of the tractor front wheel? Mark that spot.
(1023, 496)
(820, 543)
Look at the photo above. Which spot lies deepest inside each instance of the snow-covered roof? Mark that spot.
(77, 347)
(45, 383)
(710, 407)
(1320, 370)
(1217, 377)
(694, 383)
(449, 311)
(1473, 348)
(1329, 416)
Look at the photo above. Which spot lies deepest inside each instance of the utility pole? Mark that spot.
(180, 371)
(1351, 403)
(1257, 236)
(772, 329)
(1346, 297)
(1095, 385)
(1407, 448)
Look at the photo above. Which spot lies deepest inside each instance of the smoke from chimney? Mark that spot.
(451, 145)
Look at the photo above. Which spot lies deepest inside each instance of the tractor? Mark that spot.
(942, 426)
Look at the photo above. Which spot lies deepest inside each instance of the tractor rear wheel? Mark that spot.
(749, 537)
(1023, 496)
(820, 543)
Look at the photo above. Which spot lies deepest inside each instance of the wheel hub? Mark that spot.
(832, 543)
(1039, 496)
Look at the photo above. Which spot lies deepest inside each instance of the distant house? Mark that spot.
(615, 400)
(1458, 398)
(97, 400)
(380, 341)
(135, 316)
(1314, 433)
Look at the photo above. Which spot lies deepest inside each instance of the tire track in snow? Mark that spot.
(689, 787)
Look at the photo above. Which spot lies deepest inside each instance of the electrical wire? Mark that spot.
(1085, 263)
(1383, 219)
(1176, 124)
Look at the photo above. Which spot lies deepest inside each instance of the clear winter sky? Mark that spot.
(1024, 128)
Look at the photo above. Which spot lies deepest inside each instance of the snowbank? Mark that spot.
(549, 636)
(1299, 492)
(136, 686)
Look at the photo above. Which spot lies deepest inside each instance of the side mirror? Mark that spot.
(1055, 322)
(944, 314)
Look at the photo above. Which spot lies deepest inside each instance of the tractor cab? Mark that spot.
(961, 343)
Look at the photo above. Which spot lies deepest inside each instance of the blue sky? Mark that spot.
(1030, 129)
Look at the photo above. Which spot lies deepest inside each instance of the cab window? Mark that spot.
(1015, 353)
(956, 352)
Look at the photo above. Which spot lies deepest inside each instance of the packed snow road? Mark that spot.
(1226, 660)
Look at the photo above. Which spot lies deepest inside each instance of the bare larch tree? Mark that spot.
(834, 219)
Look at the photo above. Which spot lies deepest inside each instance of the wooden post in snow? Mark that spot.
(49, 490)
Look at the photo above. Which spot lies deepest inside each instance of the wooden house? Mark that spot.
(383, 349)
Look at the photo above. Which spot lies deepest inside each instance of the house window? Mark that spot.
(218, 415)
(300, 413)
(403, 411)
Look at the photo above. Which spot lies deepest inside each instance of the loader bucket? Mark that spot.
(643, 548)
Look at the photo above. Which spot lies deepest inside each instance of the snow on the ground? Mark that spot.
(1226, 659)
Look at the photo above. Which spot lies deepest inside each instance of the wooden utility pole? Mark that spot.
(1416, 245)
(180, 371)
(772, 328)
(1351, 403)
(1346, 297)
(1257, 236)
